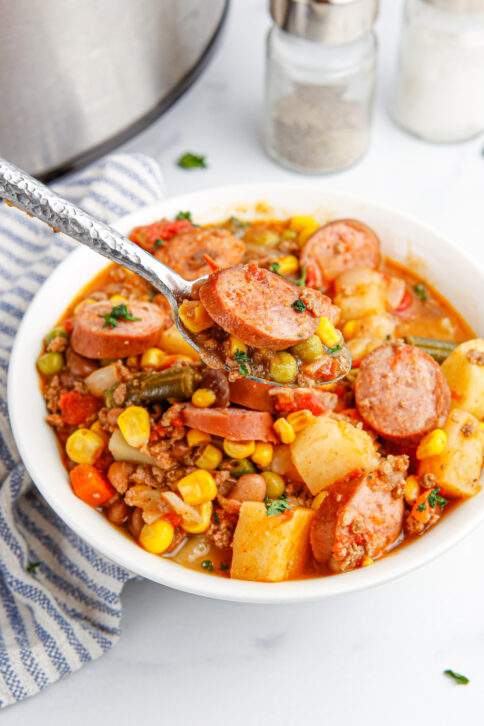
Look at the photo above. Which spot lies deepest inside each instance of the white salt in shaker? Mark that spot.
(320, 79)
(439, 92)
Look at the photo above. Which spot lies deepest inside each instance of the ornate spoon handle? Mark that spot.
(41, 202)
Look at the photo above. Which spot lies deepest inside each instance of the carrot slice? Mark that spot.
(90, 485)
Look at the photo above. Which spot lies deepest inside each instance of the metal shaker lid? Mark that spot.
(459, 6)
(325, 21)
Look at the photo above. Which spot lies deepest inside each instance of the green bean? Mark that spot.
(178, 382)
(430, 343)
(50, 363)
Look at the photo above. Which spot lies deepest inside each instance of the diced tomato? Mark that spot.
(68, 325)
(173, 518)
(211, 263)
(311, 276)
(158, 432)
(405, 303)
(77, 407)
(147, 235)
(90, 485)
(295, 400)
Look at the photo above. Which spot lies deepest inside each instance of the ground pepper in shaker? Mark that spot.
(320, 79)
(439, 91)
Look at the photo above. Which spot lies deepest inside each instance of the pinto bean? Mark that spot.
(117, 512)
(118, 475)
(78, 365)
(135, 522)
(249, 488)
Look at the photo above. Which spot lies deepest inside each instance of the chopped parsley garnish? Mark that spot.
(32, 567)
(189, 160)
(301, 281)
(421, 291)
(276, 506)
(299, 305)
(207, 565)
(184, 215)
(275, 267)
(334, 349)
(434, 499)
(224, 567)
(458, 677)
(159, 243)
(421, 507)
(118, 312)
(242, 359)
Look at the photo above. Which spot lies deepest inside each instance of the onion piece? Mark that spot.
(122, 451)
(184, 510)
(103, 378)
(395, 290)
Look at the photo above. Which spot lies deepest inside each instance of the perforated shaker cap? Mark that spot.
(325, 21)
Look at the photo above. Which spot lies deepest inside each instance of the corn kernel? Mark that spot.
(328, 333)
(210, 458)
(236, 346)
(287, 265)
(84, 446)
(349, 329)
(411, 490)
(197, 487)
(157, 536)
(118, 299)
(205, 512)
(433, 444)
(203, 398)
(367, 561)
(134, 424)
(300, 419)
(194, 316)
(196, 437)
(173, 342)
(319, 499)
(275, 484)
(305, 225)
(263, 454)
(98, 429)
(153, 358)
(284, 430)
(239, 449)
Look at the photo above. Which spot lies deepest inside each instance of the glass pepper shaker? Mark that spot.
(320, 80)
(439, 91)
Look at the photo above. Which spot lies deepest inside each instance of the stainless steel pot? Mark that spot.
(78, 77)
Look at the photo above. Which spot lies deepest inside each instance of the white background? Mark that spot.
(370, 658)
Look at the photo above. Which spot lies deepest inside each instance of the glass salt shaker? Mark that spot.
(439, 91)
(320, 80)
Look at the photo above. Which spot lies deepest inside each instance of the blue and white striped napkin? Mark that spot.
(59, 599)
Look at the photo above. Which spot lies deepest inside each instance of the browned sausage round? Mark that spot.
(339, 246)
(401, 392)
(263, 309)
(236, 424)
(93, 338)
(359, 517)
(185, 252)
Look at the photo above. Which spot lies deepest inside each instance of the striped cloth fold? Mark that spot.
(60, 601)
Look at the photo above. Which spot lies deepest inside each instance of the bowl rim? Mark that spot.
(464, 518)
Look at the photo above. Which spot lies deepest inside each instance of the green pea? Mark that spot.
(275, 484)
(283, 368)
(309, 350)
(50, 363)
(55, 333)
(241, 467)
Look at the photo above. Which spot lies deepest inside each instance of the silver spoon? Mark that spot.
(37, 200)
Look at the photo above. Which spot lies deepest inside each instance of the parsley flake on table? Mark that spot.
(276, 506)
(118, 312)
(458, 677)
(32, 567)
(189, 160)
(184, 215)
(299, 305)
(242, 359)
(207, 565)
(421, 291)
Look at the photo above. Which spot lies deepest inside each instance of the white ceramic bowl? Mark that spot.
(439, 260)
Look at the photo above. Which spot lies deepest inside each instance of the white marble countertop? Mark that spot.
(374, 657)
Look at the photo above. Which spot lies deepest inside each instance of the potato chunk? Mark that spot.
(329, 450)
(458, 468)
(464, 370)
(360, 292)
(270, 549)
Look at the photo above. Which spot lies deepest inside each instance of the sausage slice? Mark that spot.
(360, 517)
(340, 246)
(263, 309)
(401, 392)
(93, 338)
(236, 424)
(185, 252)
